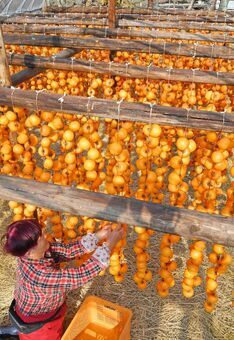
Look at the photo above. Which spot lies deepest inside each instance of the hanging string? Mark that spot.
(126, 68)
(72, 63)
(37, 94)
(110, 64)
(89, 107)
(118, 112)
(61, 101)
(13, 90)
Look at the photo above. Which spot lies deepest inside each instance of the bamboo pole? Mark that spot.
(166, 219)
(103, 108)
(122, 45)
(115, 32)
(120, 69)
(5, 78)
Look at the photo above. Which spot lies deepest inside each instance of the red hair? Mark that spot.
(22, 236)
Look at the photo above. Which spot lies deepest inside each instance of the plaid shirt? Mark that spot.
(41, 285)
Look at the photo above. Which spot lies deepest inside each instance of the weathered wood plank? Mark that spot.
(191, 50)
(147, 16)
(178, 25)
(166, 219)
(121, 69)
(29, 73)
(135, 9)
(5, 78)
(115, 32)
(121, 22)
(128, 111)
(185, 25)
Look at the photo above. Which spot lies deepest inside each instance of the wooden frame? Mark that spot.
(166, 219)
(187, 223)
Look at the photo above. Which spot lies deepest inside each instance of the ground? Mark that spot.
(154, 318)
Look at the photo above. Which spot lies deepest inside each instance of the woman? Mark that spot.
(41, 285)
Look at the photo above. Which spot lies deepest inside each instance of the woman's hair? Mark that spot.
(21, 236)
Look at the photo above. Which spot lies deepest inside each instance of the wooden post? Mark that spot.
(150, 4)
(5, 78)
(111, 14)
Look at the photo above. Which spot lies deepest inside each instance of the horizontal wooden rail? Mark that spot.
(178, 25)
(122, 23)
(130, 16)
(136, 10)
(166, 219)
(191, 18)
(120, 69)
(94, 43)
(102, 108)
(28, 73)
(116, 32)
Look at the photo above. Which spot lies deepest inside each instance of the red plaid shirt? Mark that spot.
(41, 285)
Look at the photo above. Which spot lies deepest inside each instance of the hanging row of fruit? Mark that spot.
(163, 164)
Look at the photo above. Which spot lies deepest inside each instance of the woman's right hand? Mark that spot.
(114, 237)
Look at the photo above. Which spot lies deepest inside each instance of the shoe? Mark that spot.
(8, 332)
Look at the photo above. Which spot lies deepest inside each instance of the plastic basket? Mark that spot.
(99, 319)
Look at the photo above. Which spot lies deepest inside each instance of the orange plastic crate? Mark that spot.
(99, 319)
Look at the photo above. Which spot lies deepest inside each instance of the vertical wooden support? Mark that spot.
(5, 78)
(111, 14)
(150, 3)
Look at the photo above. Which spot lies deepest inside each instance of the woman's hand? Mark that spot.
(104, 232)
(114, 237)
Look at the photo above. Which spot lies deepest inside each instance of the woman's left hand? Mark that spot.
(104, 232)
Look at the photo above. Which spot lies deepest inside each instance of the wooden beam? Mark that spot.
(104, 108)
(177, 25)
(191, 18)
(166, 219)
(196, 17)
(121, 69)
(5, 77)
(111, 14)
(122, 23)
(140, 46)
(103, 9)
(115, 32)
(29, 73)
